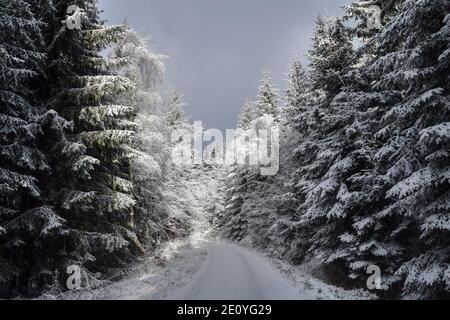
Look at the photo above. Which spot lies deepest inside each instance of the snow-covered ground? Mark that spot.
(200, 267)
(153, 279)
(312, 288)
(231, 272)
(206, 269)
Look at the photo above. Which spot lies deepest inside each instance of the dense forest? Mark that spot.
(365, 154)
(364, 179)
(84, 138)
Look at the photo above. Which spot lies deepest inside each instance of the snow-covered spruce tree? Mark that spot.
(366, 14)
(28, 227)
(344, 195)
(267, 100)
(340, 203)
(247, 115)
(331, 59)
(176, 194)
(232, 222)
(259, 207)
(191, 190)
(297, 89)
(330, 55)
(93, 192)
(174, 111)
(390, 205)
(146, 69)
(392, 202)
(248, 213)
(284, 235)
(319, 129)
(411, 160)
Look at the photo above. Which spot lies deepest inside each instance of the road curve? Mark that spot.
(231, 272)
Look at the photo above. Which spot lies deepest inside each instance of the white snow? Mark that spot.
(198, 269)
(231, 272)
(153, 279)
(201, 267)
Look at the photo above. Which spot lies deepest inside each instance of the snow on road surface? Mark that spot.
(231, 272)
(196, 269)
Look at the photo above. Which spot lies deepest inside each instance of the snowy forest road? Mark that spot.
(197, 269)
(231, 272)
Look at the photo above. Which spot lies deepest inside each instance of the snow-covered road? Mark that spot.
(231, 272)
(197, 269)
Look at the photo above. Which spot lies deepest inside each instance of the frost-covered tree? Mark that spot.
(28, 225)
(374, 193)
(319, 129)
(267, 98)
(296, 89)
(179, 200)
(391, 191)
(370, 15)
(93, 191)
(411, 160)
(330, 55)
(174, 109)
(247, 115)
(143, 66)
(146, 69)
(247, 214)
(83, 148)
(233, 221)
(284, 235)
(20, 60)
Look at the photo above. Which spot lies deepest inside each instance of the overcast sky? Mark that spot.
(218, 48)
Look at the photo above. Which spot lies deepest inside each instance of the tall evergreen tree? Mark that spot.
(146, 69)
(82, 149)
(330, 56)
(28, 225)
(247, 214)
(320, 126)
(175, 115)
(296, 88)
(284, 235)
(267, 99)
(411, 160)
(247, 115)
(390, 210)
(93, 191)
(366, 13)
(373, 166)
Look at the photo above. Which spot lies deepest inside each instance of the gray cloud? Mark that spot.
(218, 48)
